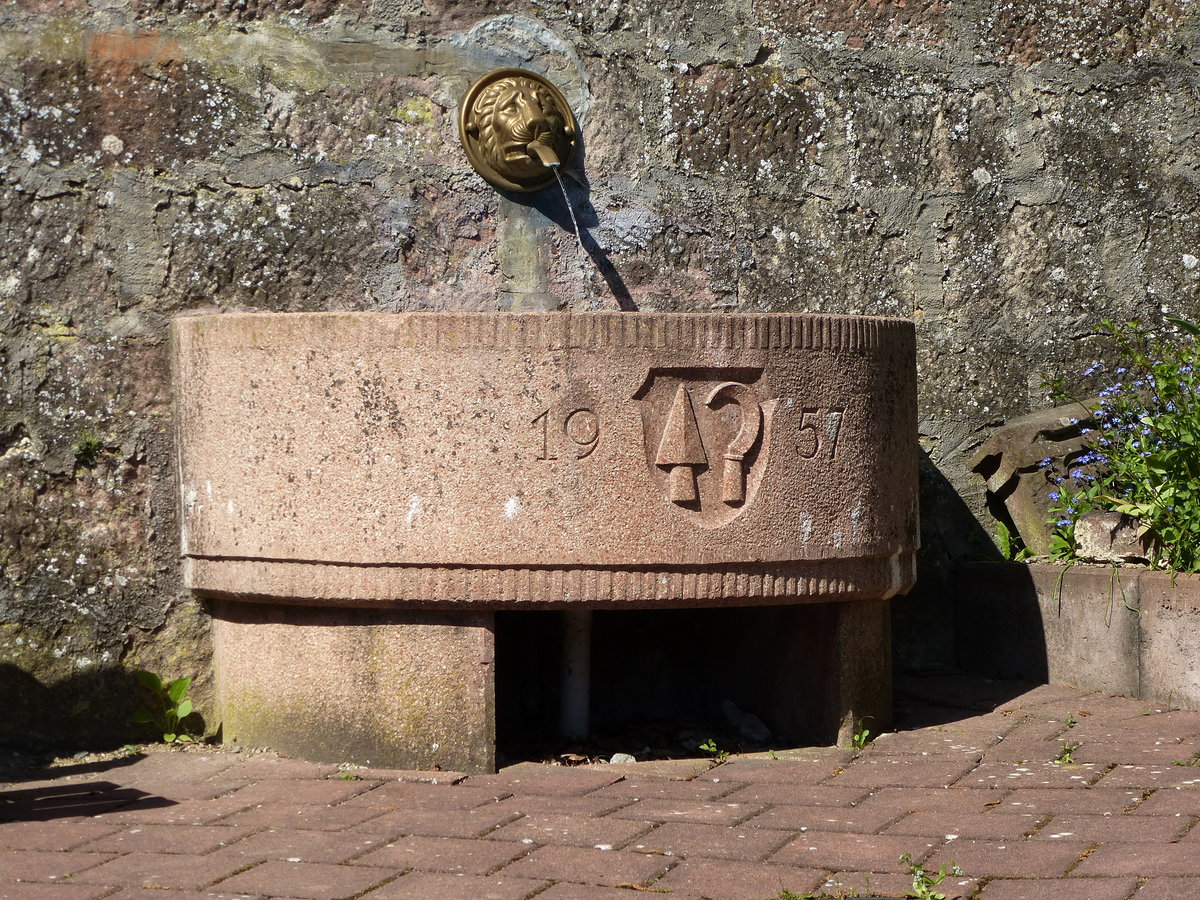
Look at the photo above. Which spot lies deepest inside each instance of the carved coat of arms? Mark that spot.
(706, 438)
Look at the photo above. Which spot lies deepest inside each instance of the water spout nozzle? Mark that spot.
(543, 153)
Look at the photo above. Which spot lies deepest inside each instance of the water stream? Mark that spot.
(571, 209)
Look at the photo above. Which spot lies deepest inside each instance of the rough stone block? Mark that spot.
(1111, 537)
(1170, 646)
(1039, 623)
(408, 690)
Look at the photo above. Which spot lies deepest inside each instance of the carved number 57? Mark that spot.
(819, 429)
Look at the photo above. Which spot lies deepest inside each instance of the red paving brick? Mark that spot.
(1169, 889)
(52, 835)
(53, 892)
(712, 841)
(193, 839)
(418, 795)
(796, 794)
(731, 880)
(1120, 827)
(896, 802)
(163, 870)
(218, 824)
(814, 770)
(46, 865)
(453, 855)
(303, 846)
(928, 741)
(1144, 858)
(718, 813)
(530, 778)
(457, 823)
(591, 805)
(186, 812)
(310, 881)
(607, 868)
(666, 789)
(1094, 801)
(822, 818)
(905, 771)
(1063, 889)
(1011, 859)
(564, 891)
(862, 852)
(577, 831)
(991, 825)
(1034, 774)
(890, 884)
(426, 886)
(1161, 775)
(313, 818)
(290, 794)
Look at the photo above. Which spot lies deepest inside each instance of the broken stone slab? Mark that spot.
(1011, 463)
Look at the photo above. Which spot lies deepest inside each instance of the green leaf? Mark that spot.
(178, 689)
(142, 717)
(169, 737)
(184, 709)
(186, 739)
(1184, 325)
(149, 680)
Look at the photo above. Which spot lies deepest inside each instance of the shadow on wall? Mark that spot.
(553, 204)
(925, 623)
(89, 711)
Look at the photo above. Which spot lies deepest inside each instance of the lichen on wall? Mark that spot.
(1006, 173)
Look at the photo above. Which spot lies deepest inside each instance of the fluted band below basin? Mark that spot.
(610, 588)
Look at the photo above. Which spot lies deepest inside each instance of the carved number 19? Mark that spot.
(819, 429)
(581, 427)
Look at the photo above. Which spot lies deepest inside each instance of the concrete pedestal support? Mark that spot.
(859, 686)
(814, 671)
(410, 690)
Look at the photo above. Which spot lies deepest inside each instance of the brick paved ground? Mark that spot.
(978, 785)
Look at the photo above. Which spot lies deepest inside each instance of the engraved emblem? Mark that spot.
(706, 437)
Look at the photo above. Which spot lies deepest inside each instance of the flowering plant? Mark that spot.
(1142, 458)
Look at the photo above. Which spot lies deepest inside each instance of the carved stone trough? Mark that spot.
(361, 493)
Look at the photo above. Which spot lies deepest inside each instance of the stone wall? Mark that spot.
(1006, 172)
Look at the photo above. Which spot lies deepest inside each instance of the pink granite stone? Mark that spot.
(418, 471)
(601, 459)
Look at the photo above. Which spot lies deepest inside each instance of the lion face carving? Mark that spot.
(502, 115)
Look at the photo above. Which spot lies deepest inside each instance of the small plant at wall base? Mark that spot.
(862, 736)
(923, 883)
(170, 707)
(1143, 457)
(710, 746)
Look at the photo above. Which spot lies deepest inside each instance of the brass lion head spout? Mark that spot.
(517, 129)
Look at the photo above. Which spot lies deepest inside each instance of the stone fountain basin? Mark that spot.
(363, 495)
(546, 459)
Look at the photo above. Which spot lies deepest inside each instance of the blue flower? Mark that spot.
(1054, 495)
(1092, 369)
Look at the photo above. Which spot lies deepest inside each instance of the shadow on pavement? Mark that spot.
(60, 801)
